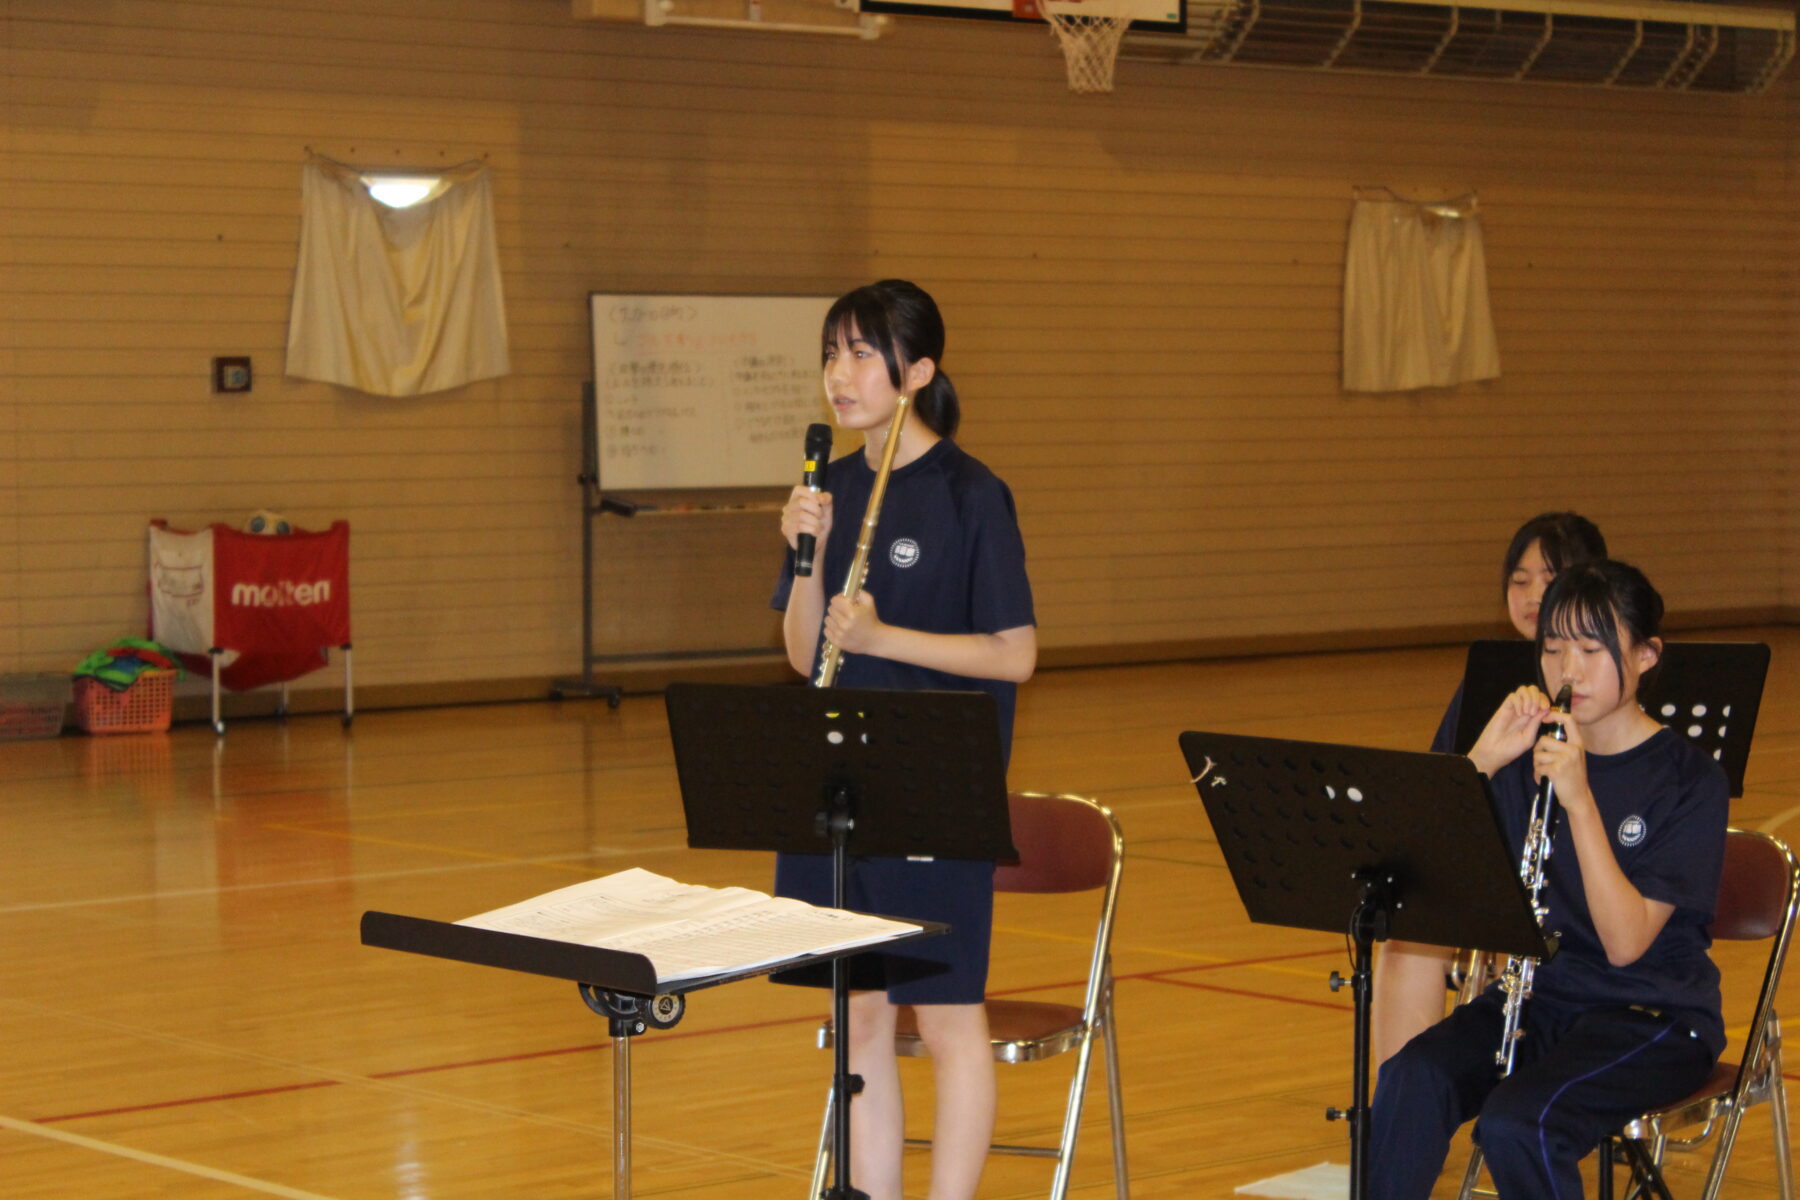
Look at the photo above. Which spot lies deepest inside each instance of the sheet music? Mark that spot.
(684, 929)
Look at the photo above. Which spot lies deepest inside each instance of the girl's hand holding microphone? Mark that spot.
(806, 511)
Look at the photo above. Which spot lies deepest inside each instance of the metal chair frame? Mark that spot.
(1030, 1030)
(1719, 1105)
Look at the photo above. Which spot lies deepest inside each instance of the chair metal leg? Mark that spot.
(822, 1159)
(1115, 1103)
(1064, 1151)
(1646, 1174)
(350, 690)
(1778, 1117)
(218, 725)
(1071, 1130)
(1715, 1174)
(1638, 1185)
(1603, 1177)
(1471, 1175)
(1659, 1146)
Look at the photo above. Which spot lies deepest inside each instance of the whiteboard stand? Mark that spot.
(705, 395)
(593, 504)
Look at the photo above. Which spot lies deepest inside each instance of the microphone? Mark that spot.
(812, 474)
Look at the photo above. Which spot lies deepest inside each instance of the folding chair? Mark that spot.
(1066, 844)
(1759, 894)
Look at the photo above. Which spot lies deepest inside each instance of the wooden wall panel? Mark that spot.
(1142, 290)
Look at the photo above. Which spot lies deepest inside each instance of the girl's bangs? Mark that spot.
(1583, 610)
(861, 314)
(1578, 617)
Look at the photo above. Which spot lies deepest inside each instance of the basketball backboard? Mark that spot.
(1160, 16)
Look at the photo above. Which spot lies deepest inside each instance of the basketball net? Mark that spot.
(1089, 31)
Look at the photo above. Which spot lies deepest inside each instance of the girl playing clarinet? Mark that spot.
(1409, 977)
(1625, 1016)
(946, 606)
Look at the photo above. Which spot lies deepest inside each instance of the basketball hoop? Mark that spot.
(1089, 31)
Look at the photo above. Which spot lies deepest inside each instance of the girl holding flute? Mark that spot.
(946, 605)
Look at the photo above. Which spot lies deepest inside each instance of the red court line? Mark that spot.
(156, 1104)
(661, 1036)
(489, 1062)
(1213, 987)
(1156, 976)
(1160, 972)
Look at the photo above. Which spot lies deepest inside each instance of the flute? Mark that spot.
(833, 658)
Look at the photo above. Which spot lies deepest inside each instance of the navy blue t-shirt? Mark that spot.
(947, 558)
(1665, 804)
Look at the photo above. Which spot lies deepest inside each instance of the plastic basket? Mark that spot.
(31, 706)
(144, 707)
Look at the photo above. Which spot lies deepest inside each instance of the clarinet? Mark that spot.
(1540, 831)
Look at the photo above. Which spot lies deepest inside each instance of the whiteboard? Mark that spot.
(704, 391)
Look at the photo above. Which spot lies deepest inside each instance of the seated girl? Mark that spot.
(1409, 976)
(1625, 1017)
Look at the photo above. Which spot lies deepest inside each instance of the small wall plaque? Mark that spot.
(231, 374)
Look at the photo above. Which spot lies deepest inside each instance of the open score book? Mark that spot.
(688, 931)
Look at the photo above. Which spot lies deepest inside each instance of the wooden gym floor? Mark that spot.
(186, 1010)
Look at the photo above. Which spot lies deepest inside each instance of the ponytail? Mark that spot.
(937, 405)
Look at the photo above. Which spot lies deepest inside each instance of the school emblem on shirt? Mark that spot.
(1631, 830)
(904, 552)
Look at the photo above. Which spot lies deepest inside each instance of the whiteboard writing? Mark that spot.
(704, 391)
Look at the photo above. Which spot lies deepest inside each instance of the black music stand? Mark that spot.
(619, 985)
(1387, 843)
(841, 771)
(1493, 670)
(1709, 692)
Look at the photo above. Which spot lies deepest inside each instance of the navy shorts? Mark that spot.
(949, 968)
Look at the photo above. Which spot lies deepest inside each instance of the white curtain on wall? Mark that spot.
(397, 301)
(1416, 297)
